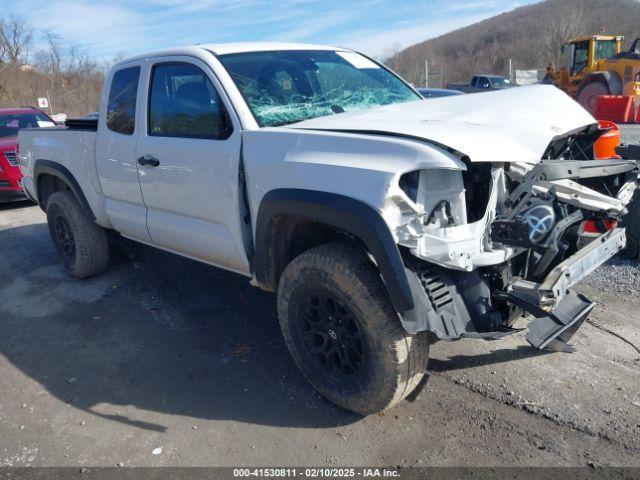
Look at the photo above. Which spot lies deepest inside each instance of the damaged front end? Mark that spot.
(485, 245)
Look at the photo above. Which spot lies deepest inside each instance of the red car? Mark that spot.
(12, 120)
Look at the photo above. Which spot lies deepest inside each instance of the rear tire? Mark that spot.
(343, 333)
(589, 94)
(81, 244)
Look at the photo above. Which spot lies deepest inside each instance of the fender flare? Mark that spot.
(611, 79)
(345, 214)
(48, 167)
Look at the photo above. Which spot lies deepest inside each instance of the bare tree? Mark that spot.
(389, 52)
(16, 37)
(561, 28)
(71, 78)
(49, 61)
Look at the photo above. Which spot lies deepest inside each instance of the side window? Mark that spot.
(184, 103)
(580, 57)
(474, 82)
(121, 109)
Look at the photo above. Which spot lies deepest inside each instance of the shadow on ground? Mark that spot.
(160, 333)
(14, 205)
(460, 362)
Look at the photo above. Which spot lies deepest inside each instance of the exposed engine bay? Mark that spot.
(485, 245)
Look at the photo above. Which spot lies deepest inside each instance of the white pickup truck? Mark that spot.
(383, 221)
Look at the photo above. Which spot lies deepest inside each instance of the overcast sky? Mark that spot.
(109, 27)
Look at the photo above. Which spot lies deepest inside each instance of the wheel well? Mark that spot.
(47, 185)
(289, 236)
(50, 177)
(290, 221)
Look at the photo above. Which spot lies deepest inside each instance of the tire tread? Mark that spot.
(352, 270)
(92, 246)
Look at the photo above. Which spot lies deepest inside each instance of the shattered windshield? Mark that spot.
(283, 87)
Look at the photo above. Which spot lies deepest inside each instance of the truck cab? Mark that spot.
(483, 83)
(182, 187)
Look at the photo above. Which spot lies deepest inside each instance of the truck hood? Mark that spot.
(511, 125)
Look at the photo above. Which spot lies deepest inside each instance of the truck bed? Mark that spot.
(70, 146)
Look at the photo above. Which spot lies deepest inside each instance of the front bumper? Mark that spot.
(547, 295)
(558, 311)
(465, 289)
(10, 187)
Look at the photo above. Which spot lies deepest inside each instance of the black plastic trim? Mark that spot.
(52, 168)
(630, 152)
(84, 124)
(344, 213)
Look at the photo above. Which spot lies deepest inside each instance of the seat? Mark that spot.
(193, 97)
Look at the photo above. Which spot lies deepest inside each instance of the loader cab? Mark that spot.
(587, 51)
(579, 57)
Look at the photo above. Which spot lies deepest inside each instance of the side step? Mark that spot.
(552, 331)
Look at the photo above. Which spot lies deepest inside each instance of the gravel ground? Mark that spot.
(630, 133)
(620, 276)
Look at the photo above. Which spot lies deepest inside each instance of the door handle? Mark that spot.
(149, 160)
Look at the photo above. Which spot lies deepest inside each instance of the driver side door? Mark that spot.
(188, 162)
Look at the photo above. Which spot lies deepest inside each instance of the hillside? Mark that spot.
(531, 36)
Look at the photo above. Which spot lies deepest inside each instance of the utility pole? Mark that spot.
(510, 71)
(49, 100)
(441, 77)
(426, 73)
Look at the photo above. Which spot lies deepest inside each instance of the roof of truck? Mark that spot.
(240, 47)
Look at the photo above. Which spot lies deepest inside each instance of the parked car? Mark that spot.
(11, 121)
(381, 221)
(483, 83)
(437, 92)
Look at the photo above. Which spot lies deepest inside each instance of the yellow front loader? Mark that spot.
(598, 66)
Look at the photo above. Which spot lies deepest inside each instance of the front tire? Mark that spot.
(589, 95)
(81, 244)
(343, 333)
(632, 250)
